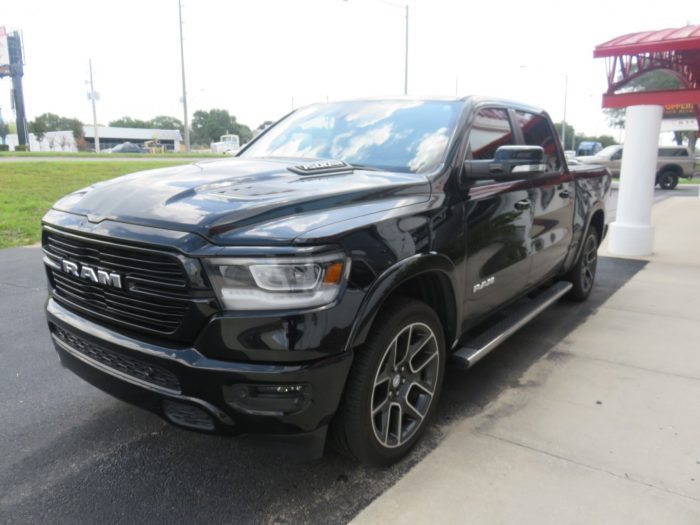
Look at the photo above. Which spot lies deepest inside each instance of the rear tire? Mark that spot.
(393, 386)
(668, 180)
(582, 275)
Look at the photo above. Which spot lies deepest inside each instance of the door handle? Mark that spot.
(564, 194)
(522, 205)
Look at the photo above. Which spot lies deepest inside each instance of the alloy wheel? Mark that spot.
(590, 261)
(404, 385)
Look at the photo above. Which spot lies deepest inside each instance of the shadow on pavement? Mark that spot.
(123, 465)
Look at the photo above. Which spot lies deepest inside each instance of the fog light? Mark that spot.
(268, 400)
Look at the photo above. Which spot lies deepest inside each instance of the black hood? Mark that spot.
(237, 195)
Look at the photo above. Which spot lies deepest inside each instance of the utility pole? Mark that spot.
(405, 67)
(184, 86)
(93, 98)
(563, 124)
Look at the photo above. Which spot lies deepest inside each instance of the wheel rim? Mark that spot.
(590, 260)
(404, 385)
(668, 180)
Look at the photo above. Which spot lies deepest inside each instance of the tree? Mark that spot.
(52, 122)
(38, 127)
(128, 122)
(165, 122)
(570, 135)
(208, 126)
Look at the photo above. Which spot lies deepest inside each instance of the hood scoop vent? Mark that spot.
(321, 167)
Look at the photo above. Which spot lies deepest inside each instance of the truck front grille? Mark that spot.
(155, 296)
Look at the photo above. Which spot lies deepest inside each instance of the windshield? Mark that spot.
(409, 136)
(609, 151)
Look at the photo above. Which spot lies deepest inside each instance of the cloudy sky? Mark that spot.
(257, 58)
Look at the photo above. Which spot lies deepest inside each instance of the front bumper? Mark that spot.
(193, 391)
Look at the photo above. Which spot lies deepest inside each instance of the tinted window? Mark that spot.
(401, 135)
(491, 129)
(672, 152)
(537, 132)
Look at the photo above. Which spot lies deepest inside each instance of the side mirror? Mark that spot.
(509, 162)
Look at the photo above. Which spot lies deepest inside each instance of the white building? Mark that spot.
(109, 137)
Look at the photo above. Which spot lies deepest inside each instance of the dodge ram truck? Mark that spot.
(315, 286)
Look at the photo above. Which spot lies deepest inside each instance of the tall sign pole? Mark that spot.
(12, 65)
(184, 87)
(93, 98)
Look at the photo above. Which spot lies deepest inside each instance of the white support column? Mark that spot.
(632, 233)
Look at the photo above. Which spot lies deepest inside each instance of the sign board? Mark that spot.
(679, 111)
(4, 53)
(679, 124)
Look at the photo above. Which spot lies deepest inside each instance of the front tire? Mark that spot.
(582, 275)
(394, 384)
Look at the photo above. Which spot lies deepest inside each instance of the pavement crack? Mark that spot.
(623, 477)
(627, 365)
(647, 312)
(21, 286)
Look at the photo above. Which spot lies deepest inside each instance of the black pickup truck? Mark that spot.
(323, 278)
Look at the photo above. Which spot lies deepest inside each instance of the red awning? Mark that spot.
(631, 56)
(682, 39)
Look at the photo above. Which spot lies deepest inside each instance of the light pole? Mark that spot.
(404, 7)
(184, 86)
(93, 97)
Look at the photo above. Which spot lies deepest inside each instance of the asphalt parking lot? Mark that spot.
(69, 453)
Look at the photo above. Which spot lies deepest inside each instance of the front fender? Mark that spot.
(394, 277)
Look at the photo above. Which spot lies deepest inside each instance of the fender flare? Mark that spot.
(391, 279)
(589, 221)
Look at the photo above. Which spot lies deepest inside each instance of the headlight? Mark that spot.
(278, 283)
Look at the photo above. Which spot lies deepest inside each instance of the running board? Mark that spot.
(477, 348)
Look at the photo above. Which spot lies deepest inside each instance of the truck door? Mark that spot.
(552, 197)
(498, 222)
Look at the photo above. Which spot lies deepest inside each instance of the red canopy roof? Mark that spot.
(682, 39)
(633, 55)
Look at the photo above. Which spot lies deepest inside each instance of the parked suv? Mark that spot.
(324, 277)
(673, 163)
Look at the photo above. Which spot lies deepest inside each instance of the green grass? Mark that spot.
(28, 189)
(84, 154)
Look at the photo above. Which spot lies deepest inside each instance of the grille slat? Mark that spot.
(136, 368)
(155, 294)
(153, 317)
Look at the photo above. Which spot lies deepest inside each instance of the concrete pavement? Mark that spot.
(604, 429)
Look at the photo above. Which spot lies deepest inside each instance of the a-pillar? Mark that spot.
(632, 233)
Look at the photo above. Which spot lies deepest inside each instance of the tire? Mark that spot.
(668, 180)
(391, 395)
(582, 275)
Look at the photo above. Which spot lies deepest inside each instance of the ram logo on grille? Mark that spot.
(91, 274)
